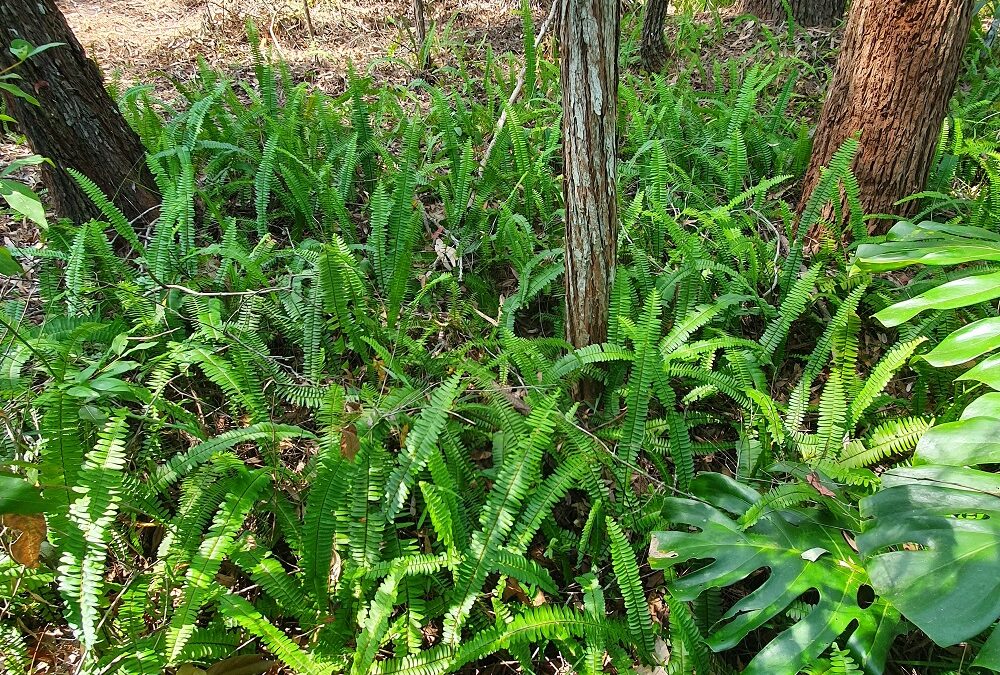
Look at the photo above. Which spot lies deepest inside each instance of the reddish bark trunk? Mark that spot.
(896, 72)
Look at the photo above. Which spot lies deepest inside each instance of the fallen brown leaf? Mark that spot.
(25, 549)
(349, 444)
(813, 479)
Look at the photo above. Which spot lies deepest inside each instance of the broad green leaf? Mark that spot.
(966, 343)
(928, 229)
(19, 496)
(892, 256)
(928, 243)
(989, 656)
(23, 201)
(987, 405)
(954, 294)
(785, 544)
(16, 91)
(24, 50)
(31, 160)
(963, 443)
(986, 371)
(8, 266)
(948, 585)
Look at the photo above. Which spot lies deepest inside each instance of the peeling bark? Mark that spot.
(589, 71)
(77, 124)
(896, 72)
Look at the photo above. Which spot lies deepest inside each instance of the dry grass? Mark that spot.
(156, 42)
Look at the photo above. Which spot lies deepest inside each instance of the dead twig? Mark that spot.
(517, 87)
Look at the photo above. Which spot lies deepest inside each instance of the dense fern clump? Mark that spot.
(320, 415)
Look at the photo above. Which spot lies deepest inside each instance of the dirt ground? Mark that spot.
(154, 41)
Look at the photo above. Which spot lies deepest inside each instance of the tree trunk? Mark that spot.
(77, 124)
(420, 26)
(588, 69)
(896, 72)
(652, 49)
(804, 12)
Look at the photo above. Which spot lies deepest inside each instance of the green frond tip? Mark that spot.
(420, 442)
(626, 568)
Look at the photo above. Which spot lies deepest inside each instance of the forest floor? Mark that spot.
(160, 44)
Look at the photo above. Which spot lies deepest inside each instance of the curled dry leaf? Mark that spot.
(25, 549)
(349, 444)
(814, 480)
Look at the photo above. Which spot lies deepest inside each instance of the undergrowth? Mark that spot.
(320, 414)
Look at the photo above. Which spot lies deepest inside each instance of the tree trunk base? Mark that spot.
(653, 57)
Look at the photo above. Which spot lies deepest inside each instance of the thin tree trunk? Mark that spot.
(589, 72)
(652, 49)
(804, 12)
(896, 72)
(420, 26)
(77, 124)
(309, 20)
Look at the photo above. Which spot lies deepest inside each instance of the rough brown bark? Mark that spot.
(896, 72)
(77, 124)
(804, 12)
(589, 72)
(652, 49)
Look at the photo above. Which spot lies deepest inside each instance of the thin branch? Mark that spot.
(518, 87)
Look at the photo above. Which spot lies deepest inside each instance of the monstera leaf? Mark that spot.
(934, 538)
(785, 556)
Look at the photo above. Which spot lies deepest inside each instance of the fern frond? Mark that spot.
(626, 568)
(880, 376)
(99, 485)
(777, 499)
(375, 625)
(420, 442)
(243, 613)
(645, 365)
(199, 581)
(894, 437)
(519, 469)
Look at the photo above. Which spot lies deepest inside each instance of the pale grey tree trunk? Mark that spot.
(588, 67)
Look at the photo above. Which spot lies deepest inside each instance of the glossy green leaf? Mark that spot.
(966, 442)
(986, 371)
(17, 92)
(784, 543)
(966, 343)
(23, 201)
(928, 243)
(24, 50)
(19, 496)
(928, 229)
(959, 293)
(987, 405)
(948, 585)
(9, 267)
(892, 256)
(989, 656)
(18, 164)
